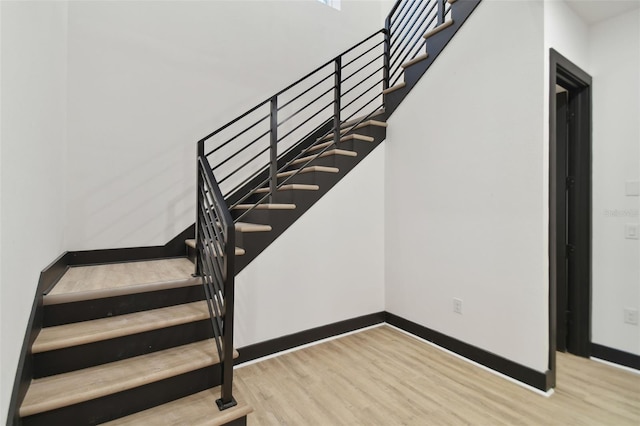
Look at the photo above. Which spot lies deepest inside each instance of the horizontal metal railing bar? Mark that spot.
(245, 181)
(362, 54)
(212, 271)
(205, 235)
(400, 58)
(306, 121)
(392, 21)
(363, 67)
(236, 136)
(400, 41)
(224, 214)
(394, 80)
(412, 53)
(305, 137)
(410, 20)
(266, 101)
(362, 94)
(306, 106)
(232, 122)
(240, 150)
(305, 92)
(364, 106)
(328, 62)
(395, 8)
(300, 167)
(363, 80)
(244, 165)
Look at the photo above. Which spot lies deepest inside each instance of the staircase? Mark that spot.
(145, 342)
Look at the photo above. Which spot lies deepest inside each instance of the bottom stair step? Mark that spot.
(64, 390)
(196, 409)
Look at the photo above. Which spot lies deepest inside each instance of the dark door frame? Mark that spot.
(578, 83)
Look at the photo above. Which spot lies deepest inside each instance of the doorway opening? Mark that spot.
(569, 210)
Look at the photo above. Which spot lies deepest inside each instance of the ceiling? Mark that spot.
(592, 11)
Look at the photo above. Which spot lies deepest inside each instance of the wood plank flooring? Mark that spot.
(384, 377)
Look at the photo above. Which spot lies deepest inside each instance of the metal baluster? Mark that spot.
(440, 12)
(273, 165)
(337, 95)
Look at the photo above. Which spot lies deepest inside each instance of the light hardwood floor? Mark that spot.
(384, 377)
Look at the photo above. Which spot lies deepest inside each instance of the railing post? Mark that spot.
(226, 363)
(337, 95)
(273, 163)
(387, 53)
(199, 155)
(440, 12)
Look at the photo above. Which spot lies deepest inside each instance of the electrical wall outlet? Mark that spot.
(457, 306)
(631, 231)
(631, 316)
(632, 188)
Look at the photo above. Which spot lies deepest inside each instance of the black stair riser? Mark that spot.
(130, 401)
(97, 353)
(294, 196)
(242, 421)
(65, 313)
(339, 161)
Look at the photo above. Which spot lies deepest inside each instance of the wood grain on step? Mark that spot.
(49, 393)
(80, 333)
(99, 277)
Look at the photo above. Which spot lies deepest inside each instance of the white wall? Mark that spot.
(464, 189)
(33, 132)
(614, 64)
(148, 79)
(565, 32)
(327, 267)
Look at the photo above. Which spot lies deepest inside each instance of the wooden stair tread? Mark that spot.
(353, 125)
(415, 60)
(80, 333)
(290, 187)
(349, 137)
(394, 88)
(356, 137)
(252, 227)
(192, 243)
(309, 169)
(193, 410)
(327, 153)
(55, 299)
(122, 274)
(266, 206)
(62, 390)
(353, 121)
(436, 30)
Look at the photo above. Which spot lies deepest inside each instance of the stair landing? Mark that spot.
(111, 276)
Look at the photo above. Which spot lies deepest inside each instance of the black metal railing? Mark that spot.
(244, 161)
(405, 27)
(215, 246)
(247, 149)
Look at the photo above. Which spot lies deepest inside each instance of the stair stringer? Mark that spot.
(280, 221)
